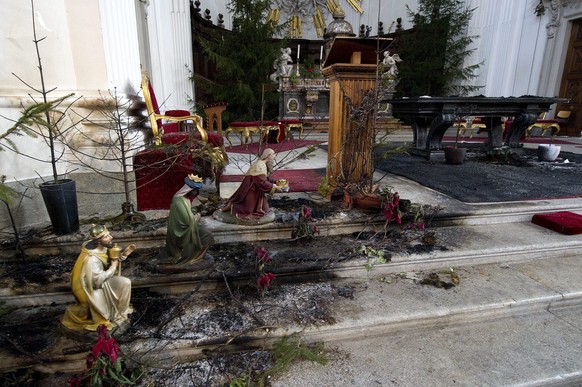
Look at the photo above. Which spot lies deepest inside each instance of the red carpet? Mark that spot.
(300, 180)
(286, 145)
(532, 140)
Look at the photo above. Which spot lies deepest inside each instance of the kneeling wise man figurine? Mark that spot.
(102, 295)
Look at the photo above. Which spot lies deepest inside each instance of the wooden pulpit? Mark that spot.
(351, 70)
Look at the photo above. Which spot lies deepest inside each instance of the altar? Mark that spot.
(430, 117)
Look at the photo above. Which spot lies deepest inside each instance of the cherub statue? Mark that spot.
(282, 66)
(390, 68)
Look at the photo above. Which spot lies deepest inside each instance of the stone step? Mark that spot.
(502, 324)
(457, 245)
(516, 324)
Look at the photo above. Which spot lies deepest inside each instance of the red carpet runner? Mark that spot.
(300, 180)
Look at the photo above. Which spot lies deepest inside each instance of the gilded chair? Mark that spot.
(172, 121)
(562, 118)
(470, 123)
(181, 147)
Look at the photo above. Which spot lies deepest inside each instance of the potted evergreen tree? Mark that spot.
(47, 118)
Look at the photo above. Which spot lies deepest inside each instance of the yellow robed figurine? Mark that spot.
(102, 295)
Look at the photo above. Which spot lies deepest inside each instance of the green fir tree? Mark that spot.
(435, 50)
(244, 60)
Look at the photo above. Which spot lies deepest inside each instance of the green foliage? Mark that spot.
(244, 60)
(324, 187)
(434, 52)
(374, 256)
(292, 348)
(239, 382)
(35, 116)
(7, 194)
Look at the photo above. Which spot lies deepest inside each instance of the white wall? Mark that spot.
(72, 58)
(511, 44)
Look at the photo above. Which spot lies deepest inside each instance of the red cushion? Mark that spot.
(171, 127)
(564, 222)
(177, 113)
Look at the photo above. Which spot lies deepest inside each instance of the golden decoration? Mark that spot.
(356, 5)
(318, 21)
(295, 29)
(274, 15)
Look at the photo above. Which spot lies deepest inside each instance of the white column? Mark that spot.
(170, 39)
(121, 44)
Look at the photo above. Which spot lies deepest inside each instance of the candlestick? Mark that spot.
(321, 56)
(298, 50)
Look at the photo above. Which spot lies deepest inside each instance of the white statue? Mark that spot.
(390, 68)
(282, 66)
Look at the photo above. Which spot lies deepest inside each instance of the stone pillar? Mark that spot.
(120, 41)
(170, 44)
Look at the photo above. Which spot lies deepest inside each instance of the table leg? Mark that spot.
(494, 132)
(226, 135)
(518, 127)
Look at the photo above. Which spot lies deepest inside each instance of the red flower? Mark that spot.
(264, 256)
(306, 212)
(102, 331)
(396, 199)
(111, 349)
(106, 345)
(264, 281)
(75, 381)
(89, 360)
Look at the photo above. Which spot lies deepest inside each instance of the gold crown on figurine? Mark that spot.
(97, 231)
(195, 178)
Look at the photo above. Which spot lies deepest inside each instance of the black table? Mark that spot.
(430, 117)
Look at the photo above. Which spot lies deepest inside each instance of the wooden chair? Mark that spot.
(562, 118)
(214, 116)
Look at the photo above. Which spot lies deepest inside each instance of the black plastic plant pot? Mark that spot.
(60, 199)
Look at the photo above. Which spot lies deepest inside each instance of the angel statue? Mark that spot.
(282, 66)
(390, 68)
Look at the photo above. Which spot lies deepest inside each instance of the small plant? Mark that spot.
(7, 195)
(105, 365)
(324, 187)
(264, 278)
(392, 211)
(309, 70)
(374, 256)
(418, 215)
(292, 348)
(305, 228)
